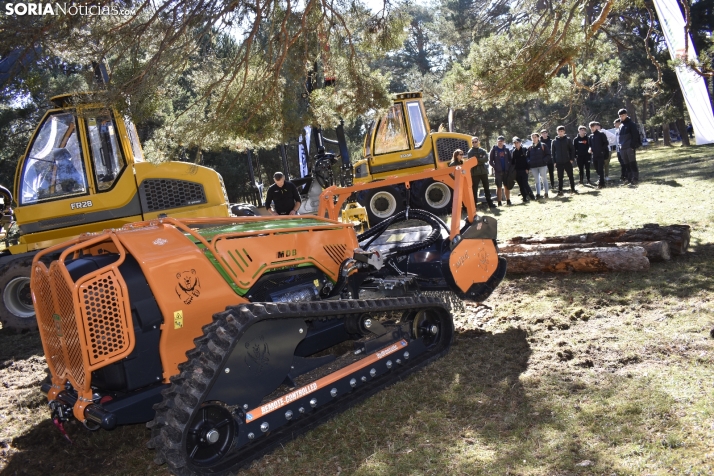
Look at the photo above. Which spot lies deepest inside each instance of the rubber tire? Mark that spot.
(20, 266)
(420, 200)
(384, 192)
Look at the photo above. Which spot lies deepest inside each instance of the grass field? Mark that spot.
(560, 375)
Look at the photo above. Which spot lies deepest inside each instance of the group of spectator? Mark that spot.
(546, 155)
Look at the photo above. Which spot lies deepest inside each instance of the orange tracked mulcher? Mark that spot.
(230, 336)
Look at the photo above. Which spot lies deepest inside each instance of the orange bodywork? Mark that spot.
(473, 261)
(87, 324)
(458, 178)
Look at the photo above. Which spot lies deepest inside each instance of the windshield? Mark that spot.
(54, 165)
(391, 132)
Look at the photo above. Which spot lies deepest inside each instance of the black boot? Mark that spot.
(635, 173)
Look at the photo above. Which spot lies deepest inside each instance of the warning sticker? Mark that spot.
(178, 319)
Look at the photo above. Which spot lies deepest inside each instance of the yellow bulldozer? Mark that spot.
(84, 171)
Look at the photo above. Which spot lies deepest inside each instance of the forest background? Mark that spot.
(207, 80)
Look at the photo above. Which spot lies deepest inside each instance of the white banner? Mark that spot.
(693, 86)
(304, 151)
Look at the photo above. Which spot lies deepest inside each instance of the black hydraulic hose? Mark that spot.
(423, 215)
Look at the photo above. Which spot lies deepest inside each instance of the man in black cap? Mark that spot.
(629, 140)
(284, 195)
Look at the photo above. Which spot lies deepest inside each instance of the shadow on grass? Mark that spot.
(663, 172)
(19, 345)
(43, 450)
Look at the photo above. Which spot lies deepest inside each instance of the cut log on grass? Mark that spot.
(677, 236)
(581, 260)
(656, 250)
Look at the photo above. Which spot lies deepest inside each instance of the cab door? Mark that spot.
(74, 176)
(400, 141)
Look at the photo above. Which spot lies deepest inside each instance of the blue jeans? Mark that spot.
(538, 174)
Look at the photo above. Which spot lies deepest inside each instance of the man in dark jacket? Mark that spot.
(598, 148)
(624, 169)
(479, 173)
(538, 160)
(582, 154)
(626, 140)
(520, 162)
(545, 139)
(563, 155)
(283, 195)
(500, 160)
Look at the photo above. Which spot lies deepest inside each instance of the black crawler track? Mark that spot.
(188, 390)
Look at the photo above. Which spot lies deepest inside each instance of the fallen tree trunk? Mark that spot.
(581, 260)
(677, 236)
(656, 250)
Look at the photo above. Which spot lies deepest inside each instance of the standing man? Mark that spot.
(538, 157)
(582, 154)
(624, 169)
(563, 155)
(629, 140)
(599, 146)
(500, 160)
(520, 162)
(545, 139)
(479, 173)
(283, 195)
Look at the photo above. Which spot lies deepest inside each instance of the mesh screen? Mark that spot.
(162, 194)
(445, 148)
(68, 326)
(49, 327)
(102, 313)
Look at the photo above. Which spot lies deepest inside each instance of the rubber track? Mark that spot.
(189, 388)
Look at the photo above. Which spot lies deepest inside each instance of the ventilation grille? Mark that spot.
(103, 318)
(49, 327)
(336, 252)
(163, 194)
(445, 148)
(67, 326)
(77, 345)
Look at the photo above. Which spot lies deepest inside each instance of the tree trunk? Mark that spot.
(644, 114)
(582, 260)
(683, 132)
(665, 135)
(656, 250)
(681, 126)
(677, 236)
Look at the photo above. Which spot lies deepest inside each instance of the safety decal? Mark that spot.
(178, 319)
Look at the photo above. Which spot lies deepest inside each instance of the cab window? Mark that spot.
(54, 167)
(416, 121)
(134, 140)
(107, 158)
(391, 132)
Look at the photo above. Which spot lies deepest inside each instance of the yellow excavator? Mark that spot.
(84, 171)
(401, 143)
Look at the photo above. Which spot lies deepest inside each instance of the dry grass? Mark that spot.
(574, 374)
